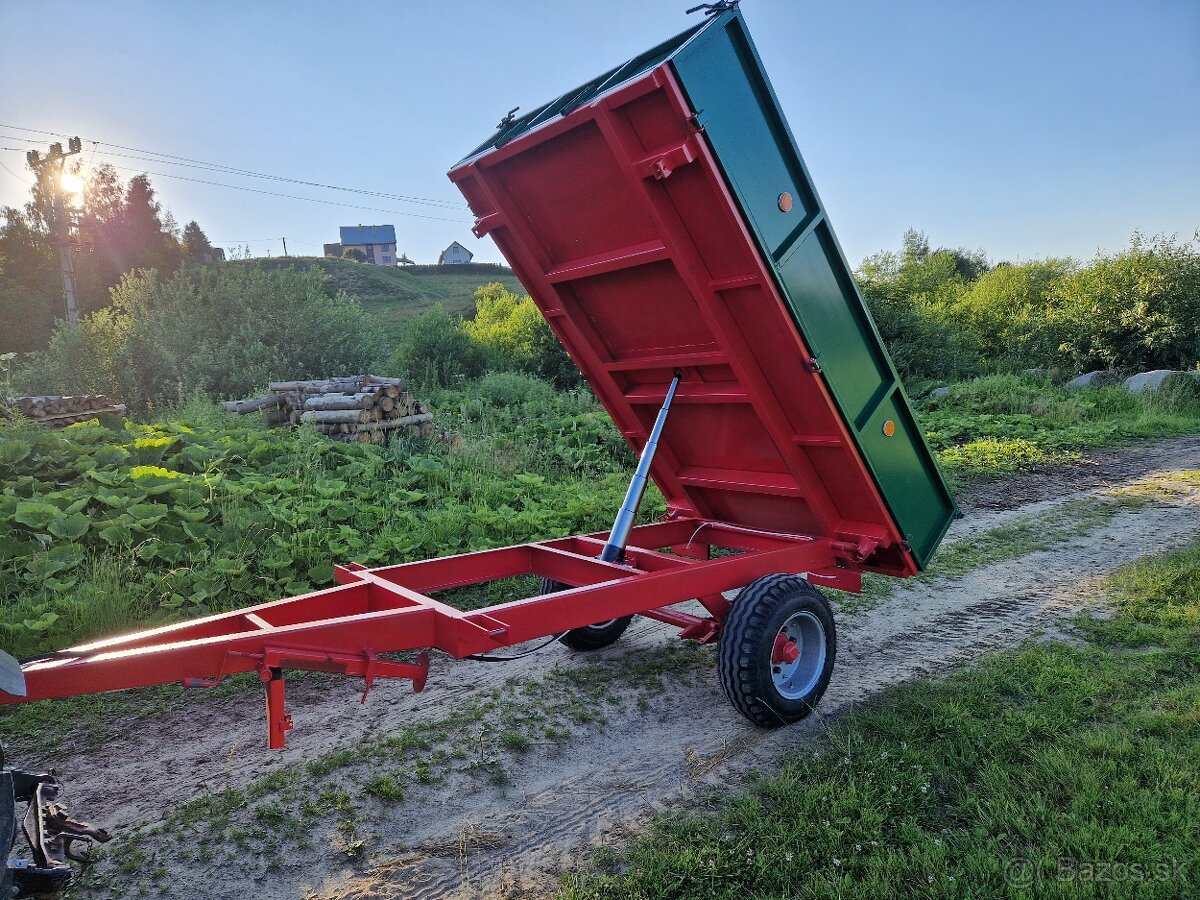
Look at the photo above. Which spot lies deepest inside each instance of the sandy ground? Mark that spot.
(466, 837)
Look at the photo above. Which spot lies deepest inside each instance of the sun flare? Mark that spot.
(71, 183)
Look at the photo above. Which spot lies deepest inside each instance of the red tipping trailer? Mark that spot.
(683, 258)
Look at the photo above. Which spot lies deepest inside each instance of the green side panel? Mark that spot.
(573, 99)
(722, 75)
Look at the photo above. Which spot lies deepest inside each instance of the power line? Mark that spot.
(191, 162)
(11, 172)
(242, 187)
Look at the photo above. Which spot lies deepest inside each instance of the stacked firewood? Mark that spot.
(58, 412)
(364, 408)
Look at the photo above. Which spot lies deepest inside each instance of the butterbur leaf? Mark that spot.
(277, 561)
(229, 566)
(112, 479)
(425, 465)
(13, 452)
(42, 623)
(70, 555)
(147, 514)
(59, 559)
(170, 552)
(36, 514)
(117, 535)
(190, 514)
(70, 527)
(321, 573)
(199, 531)
(110, 455)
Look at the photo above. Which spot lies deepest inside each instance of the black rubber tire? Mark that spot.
(747, 642)
(590, 637)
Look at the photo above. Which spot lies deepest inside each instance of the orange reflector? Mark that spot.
(785, 202)
(889, 428)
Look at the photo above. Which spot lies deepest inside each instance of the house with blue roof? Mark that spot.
(376, 242)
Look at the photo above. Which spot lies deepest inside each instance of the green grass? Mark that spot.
(1040, 772)
(394, 294)
(1007, 423)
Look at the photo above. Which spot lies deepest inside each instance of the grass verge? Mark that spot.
(1008, 423)
(1040, 772)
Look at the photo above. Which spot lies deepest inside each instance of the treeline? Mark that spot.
(947, 314)
(117, 228)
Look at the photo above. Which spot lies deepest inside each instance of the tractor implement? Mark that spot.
(662, 220)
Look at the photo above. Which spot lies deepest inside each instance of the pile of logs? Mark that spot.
(364, 408)
(58, 412)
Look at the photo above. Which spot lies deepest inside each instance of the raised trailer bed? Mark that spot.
(663, 222)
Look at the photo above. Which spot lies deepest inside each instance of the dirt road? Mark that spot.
(509, 772)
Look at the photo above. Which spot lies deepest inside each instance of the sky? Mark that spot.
(1026, 129)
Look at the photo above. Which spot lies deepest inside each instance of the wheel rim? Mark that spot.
(600, 626)
(798, 655)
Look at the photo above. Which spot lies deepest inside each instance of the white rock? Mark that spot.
(939, 392)
(1148, 381)
(1097, 379)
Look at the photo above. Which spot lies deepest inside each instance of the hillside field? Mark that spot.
(394, 295)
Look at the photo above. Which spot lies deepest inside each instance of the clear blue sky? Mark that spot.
(1027, 129)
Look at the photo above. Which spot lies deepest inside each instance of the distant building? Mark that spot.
(376, 242)
(455, 255)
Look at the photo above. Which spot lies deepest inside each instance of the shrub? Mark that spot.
(1136, 310)
(434, 350)
(910, 295)
(221, 330)
(1008, 317)
(514, 335)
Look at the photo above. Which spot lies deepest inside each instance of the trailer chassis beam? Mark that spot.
(392, 609)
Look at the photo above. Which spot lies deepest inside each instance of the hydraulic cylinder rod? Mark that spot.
(614, 548)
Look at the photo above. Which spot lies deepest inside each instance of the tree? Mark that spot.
(512, 328)
(196, 242)
(118, 228)
(144, 231)
(911, 295)
(915, 246)
(30, 285)
(435, 350)
(355, 254)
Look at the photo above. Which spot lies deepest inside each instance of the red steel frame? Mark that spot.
(389, 609)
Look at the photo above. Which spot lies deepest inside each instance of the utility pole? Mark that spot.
(285, 253)
(60, 224)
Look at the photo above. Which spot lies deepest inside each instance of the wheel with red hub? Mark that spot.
(777, 650)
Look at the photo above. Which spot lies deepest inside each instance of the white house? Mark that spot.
(376, 242)
(455, 255)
